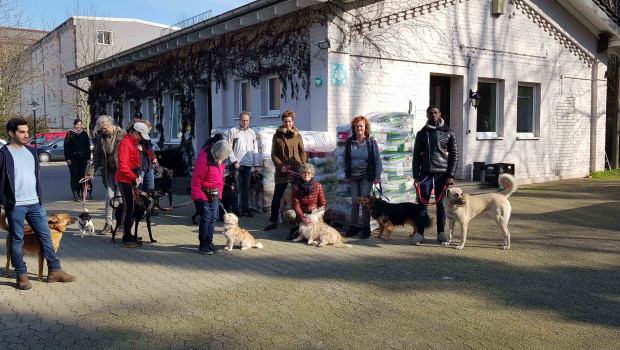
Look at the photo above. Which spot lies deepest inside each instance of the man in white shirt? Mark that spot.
(244, 156)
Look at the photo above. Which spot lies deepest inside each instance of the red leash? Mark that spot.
(424, 201)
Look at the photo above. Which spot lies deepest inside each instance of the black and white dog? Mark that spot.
(85, 223)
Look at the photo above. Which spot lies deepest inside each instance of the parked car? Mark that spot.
(55, 150)
(46, 137)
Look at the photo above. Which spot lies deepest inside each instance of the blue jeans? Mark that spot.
(359, 188)
(428, 181)
(208, 216)
(37, 219)
(243, 184)
(148, 181)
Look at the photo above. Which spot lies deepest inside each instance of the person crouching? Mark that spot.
(307, 195)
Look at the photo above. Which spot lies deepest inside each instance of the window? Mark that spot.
(526, 110)
(175, 118)
(104, 38)
(151, 109)
(273, 94)
(487, 118)
(245, 102)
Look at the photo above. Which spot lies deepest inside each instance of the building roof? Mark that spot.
(8, 34)
(244, 16)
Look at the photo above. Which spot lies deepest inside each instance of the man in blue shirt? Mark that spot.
(20, 197)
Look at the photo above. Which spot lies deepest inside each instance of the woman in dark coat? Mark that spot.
(77, 154)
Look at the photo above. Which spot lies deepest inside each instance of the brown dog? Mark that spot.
(58, 224)
(389, 215)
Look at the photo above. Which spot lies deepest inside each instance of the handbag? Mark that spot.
(211, 193)
(358, 174)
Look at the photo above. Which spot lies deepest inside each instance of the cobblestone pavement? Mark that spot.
(558, 287)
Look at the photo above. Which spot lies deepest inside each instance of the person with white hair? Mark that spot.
(306, 195)
(105, 157)
(206, 190)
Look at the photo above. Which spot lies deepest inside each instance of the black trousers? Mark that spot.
(278, 192)
(77, 169)
(128, 203)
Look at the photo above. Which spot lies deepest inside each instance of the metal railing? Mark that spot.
(611, 7)
(187, 23)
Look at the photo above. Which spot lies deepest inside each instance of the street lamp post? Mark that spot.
(34, 105)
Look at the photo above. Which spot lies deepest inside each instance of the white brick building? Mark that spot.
(76, 42)
(535, 65)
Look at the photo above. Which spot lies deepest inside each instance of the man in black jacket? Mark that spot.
(77, 154)
(434, 165)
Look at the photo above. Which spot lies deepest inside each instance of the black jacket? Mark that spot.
(435, 151)
(77, 146)
(7, 177)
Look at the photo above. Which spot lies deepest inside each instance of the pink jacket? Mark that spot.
(206, 175)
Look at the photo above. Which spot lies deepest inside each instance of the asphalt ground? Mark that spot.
(557, 288)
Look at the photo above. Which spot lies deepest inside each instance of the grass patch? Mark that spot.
(606, 174)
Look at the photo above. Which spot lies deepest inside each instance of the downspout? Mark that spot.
(593, 115)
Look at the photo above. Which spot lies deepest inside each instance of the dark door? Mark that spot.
(440, 96)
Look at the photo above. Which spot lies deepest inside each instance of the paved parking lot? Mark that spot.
(558, 287)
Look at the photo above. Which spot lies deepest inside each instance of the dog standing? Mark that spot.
(257, 195)
(463, 208)
(319, 233)
(236, 236)
(58, 224)
(389, 215)
(143, 208)
(166, 188)
(85, 223)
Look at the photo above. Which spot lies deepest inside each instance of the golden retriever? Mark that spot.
(463, 208)
(236, 236)
(58, 224)
(319, 233)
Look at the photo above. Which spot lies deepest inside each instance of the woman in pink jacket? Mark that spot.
(208, 181)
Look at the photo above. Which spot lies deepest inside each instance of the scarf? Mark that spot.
(75, 131)
(439, 124)
(306, 188)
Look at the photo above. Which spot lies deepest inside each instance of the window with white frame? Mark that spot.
(104, 37)
(245, 102)
(175, 118)
(273, 95)
(488, 112)
(527, 108)
(151, 109)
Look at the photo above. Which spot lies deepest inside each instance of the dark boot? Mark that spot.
(271, 226)
(76, 196)
(292, 233)
(365, 232)
(353, 231)
(23, 283)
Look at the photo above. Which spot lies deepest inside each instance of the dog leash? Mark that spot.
(85, 182)
(379, 188)
(424, 201)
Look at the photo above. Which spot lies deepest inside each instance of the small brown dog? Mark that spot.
(58, 224)
(236, 236)
(389, 215)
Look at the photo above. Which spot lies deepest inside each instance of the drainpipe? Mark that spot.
(593, 115)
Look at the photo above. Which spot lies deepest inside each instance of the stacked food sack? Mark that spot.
(395, 135)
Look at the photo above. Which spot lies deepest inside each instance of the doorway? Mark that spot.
(440, 96)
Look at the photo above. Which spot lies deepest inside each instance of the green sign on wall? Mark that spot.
(338, 74)
(318, 81)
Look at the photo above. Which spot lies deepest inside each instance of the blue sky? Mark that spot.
(48, 14)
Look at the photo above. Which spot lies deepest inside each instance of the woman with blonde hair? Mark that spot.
(207, 185)
(362, 168)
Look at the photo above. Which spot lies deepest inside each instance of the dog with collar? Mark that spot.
(85, 223)
(389, 215)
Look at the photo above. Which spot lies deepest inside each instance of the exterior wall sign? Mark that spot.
(338, 74)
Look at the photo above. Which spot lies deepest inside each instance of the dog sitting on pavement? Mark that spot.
(389, 215)
(143, 208)
(463, 208)
(57, 223)
(319, 233)
(236, 236)
(85, 224)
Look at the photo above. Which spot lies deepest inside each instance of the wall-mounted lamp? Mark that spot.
(324, 44)
(475, 98)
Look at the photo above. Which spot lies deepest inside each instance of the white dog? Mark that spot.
(85, 223)
(236, 236)
(319, 233)
(463, 208)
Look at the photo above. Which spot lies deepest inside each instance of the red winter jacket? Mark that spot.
(306, 204)
(128, 158)
(207, 174)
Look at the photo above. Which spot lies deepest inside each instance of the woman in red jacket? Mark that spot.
(207, 181)
(307, 195)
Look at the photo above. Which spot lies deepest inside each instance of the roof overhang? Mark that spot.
(596, 20)
(244, 16)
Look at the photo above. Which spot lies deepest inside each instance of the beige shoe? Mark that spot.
(59, 276)
(23, 283)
